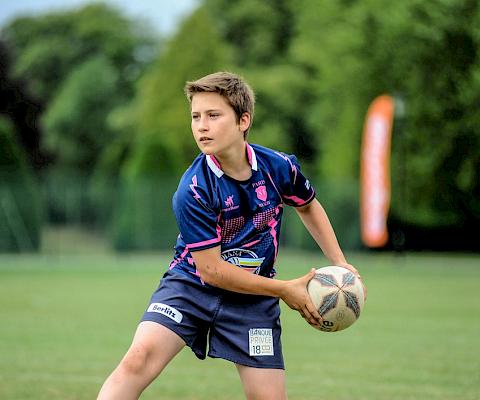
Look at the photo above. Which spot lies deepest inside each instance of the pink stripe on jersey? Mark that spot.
(251, 243)
(218, 239)
(178, 260)
(294, 168)
(298, 201)
(203, 243)
(189, 260)
(275, 186)
(193, 186)
(197, 273)
(215, 161)
(272, 224)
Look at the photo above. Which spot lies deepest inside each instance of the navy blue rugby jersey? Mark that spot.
(243, 217)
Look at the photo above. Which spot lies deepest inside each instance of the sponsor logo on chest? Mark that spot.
(230, 204)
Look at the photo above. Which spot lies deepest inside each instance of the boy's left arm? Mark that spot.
(317, 223)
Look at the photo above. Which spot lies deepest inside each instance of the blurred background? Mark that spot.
(95, 135)
(95, 128)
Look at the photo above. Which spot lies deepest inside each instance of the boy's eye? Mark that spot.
(195, 117)
(214, 115)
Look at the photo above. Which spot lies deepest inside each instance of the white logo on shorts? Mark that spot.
(260, 342)
(168, 311)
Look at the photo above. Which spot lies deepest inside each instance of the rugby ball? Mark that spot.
(338, 295)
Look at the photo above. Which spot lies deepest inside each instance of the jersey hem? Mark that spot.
(196, 246)
(247, 364)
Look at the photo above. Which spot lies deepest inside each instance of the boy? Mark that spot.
(228, 208)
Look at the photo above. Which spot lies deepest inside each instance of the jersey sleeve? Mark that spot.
(196, 217)
(296, 188)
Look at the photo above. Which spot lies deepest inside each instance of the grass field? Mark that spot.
(67, 320)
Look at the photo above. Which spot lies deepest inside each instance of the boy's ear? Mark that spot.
(245, 120)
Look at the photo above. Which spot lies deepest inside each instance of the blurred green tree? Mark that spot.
(21, 208)
(75, 122)
(163, 145)
(327, 42)
(282, 98)
(80, 65)
(48, 47)
(260, 33)
(78, 133)
(315, 66)
(21, 108)
(259, 30)
(427, 53)
(424, 52)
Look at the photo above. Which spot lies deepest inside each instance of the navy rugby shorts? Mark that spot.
(241, 328)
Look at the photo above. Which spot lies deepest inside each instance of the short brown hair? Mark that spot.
(232, 87)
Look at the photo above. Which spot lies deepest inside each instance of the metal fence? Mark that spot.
(69, 211)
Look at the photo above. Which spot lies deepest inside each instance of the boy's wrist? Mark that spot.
(339, 260)
(279, 288)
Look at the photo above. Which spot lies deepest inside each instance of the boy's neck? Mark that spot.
(234, 162)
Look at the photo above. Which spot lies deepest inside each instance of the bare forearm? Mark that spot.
(317, 223)
(230, 277)
(219, 273)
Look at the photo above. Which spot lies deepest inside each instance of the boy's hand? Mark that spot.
(295, 295)
(357, 274)
(350, 267)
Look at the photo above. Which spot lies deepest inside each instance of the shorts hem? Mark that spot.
(169, 327)
(247, 364)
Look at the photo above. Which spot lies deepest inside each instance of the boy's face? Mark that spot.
(214, 123)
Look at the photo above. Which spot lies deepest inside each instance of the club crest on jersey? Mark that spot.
(243, 258)
(261, 193)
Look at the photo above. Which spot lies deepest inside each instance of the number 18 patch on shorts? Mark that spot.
(260, 342)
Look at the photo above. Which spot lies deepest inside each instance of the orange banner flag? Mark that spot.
(375, 172)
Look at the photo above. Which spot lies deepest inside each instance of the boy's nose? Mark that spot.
(203, 124)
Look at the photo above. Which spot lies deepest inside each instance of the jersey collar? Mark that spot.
(214, 165)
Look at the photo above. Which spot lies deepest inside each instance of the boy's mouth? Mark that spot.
(205, 139)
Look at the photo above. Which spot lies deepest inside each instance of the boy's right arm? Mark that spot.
(219, 273)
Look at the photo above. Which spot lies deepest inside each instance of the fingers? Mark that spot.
(364, 291)
(351, 268)
(355, 271)
(309, 275)
(313, 318)
(310, 314)
(297, 298)
(308, 310)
